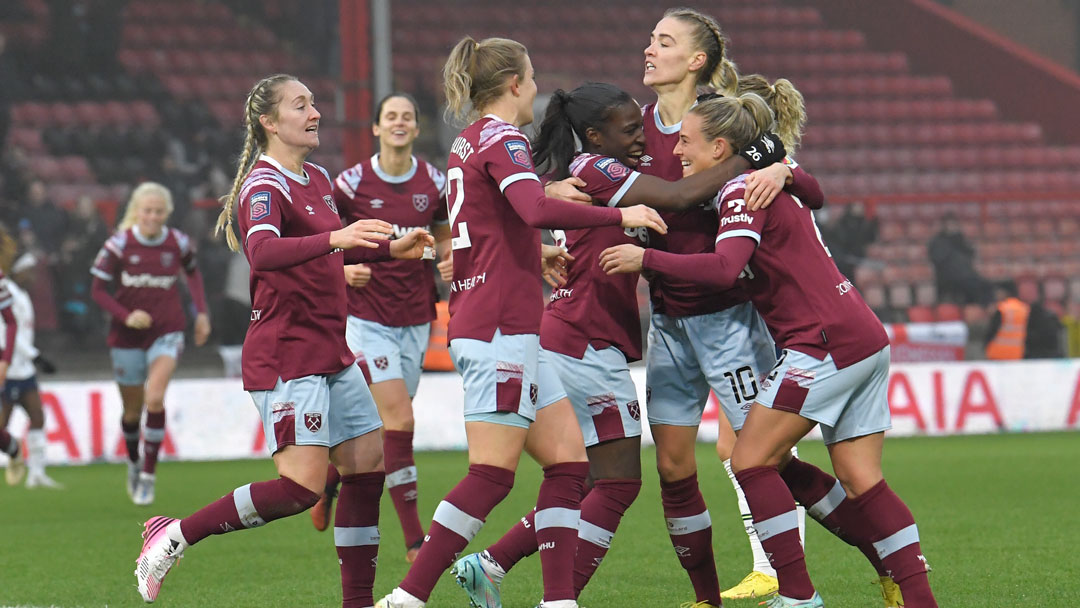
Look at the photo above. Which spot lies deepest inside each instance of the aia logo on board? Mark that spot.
(313, 422)
(329, 200)
(420, 202)
(381, 362)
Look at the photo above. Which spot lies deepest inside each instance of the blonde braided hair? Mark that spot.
(719, 72)
(262, 100)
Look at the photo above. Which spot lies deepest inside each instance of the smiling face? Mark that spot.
(526, 93)
(295, 121)
(397, 126)
(670, 54)
(151, 213)
(697, 152)
(620, 136)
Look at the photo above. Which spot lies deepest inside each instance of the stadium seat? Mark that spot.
(920, 314)
(947, 311)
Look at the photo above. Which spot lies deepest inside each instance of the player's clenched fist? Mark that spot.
(412, 245)
(640, 216)
(138, 319)
(622, 259)
(361, 233)
(357, 275)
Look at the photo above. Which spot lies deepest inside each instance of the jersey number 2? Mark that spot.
(455, 193)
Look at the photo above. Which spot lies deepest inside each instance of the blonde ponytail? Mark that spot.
(739, 120)
(786, 103)
(262, 100)
(476, 73)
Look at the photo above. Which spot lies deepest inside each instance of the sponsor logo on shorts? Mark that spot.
(634, 409)
(381, 362)
(534, 392)
(278, 411)
(803, 377)
(420, 202)
(259, 205)
(519, 153)
(329, 200)
(313, 422)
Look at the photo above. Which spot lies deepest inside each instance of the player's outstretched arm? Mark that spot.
(718, 270)
(412, 245)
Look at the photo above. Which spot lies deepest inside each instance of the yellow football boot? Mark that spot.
(755, 584)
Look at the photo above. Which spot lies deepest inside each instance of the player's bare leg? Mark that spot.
(494, 452)
(764, 443)
(356, 521)
(615, 467)
(857, 463)
(688, 520)
(395, 409)
(157, 380)
(30, 400)
(16, 468)
(132, 399)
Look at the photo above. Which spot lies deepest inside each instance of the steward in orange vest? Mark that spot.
(1008, 327)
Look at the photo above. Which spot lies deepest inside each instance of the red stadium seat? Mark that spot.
(920, 314)
(947, 311)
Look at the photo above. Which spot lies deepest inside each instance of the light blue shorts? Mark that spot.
(727, 351)
(389, 353)
(499, 376)
(321, 410)
(604, 397)
(847, 403)
(130, 365)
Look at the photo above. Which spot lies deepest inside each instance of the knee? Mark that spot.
(857, 483)
(673, 467)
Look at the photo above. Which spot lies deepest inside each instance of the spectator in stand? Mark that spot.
(48, 222)
(9, 77)
(77, 317)
(953, 257)
(1019, 330)
(849, 237)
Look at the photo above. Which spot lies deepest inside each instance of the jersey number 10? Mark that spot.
(455, 193)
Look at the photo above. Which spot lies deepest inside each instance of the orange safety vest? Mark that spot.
(1008, 344)
(437, 358)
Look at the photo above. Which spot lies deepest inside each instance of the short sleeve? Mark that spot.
(261, 208)
(606, 179)
(108, 259)
(506, 154)
(736, 219)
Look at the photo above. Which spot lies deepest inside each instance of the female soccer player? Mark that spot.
(21, 387)
(16, 467)
(313, 401)
(833, 371)
(496, 204)
(591, 351)
(699, 338)
(143, 261)
(392, 305)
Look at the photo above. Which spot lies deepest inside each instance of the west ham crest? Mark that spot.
(313, 422)
(534, 393)
(330, 203)
(420, 202)
(634, 409)
(381, 362)
(166, 258)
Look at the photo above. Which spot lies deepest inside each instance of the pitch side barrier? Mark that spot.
(215, 419)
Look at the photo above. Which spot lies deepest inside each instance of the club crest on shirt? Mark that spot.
(134, 259)
(329, 200)
(313, 422)
(420, 202)
(612, 169)
(634, 409)
(519, 153)
(167, 258)
(259, 205)
(381, 362)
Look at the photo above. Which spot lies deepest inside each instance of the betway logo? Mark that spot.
(744, 218)
(400, 231)
(146, 280)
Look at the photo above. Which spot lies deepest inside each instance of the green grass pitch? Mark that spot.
(997, 514)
